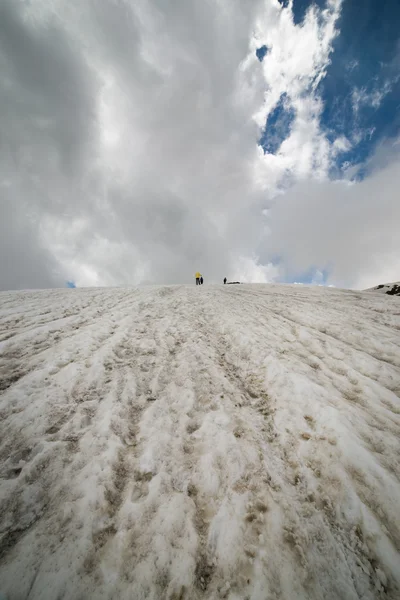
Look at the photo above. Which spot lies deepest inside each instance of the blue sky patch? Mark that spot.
(261, 52)
(361, 91)
(300, 8)
(277, 127)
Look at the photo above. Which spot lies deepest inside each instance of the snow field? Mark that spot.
(186, 443)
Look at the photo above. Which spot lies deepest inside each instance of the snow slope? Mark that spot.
(392, 289)
(236, 442)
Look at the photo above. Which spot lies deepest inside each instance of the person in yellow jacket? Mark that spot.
(198, 275)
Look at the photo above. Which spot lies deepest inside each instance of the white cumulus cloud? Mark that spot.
(128, 143)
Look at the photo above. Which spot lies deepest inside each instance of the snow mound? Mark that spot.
(199, 443)
(392, 289)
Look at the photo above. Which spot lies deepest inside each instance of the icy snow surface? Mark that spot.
(236, 442)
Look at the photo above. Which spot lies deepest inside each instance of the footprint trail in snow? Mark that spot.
(185, 443)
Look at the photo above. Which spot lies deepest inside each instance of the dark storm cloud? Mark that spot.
(46, 99)
(45, 129)
(165, 75)
(24, 263)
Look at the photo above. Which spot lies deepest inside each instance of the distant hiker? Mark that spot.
(198, 275)
(201, 280)
(225, 280)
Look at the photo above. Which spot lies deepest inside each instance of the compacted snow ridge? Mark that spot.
(238, 442)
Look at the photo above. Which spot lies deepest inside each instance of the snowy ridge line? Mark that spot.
(185, 443)
(391, 289)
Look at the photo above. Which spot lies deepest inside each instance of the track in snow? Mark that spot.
(188, 443)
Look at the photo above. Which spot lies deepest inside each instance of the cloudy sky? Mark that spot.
(143, 140)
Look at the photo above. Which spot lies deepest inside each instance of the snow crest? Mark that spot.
(190, 443)
(392, 289)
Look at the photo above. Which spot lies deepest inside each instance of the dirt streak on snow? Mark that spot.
(191, 443)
